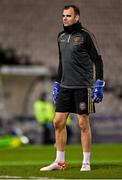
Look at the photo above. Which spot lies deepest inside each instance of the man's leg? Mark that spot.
(60, 138)
(85, 140)
(60, 130)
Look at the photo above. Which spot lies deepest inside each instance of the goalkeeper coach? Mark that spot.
(75, 90)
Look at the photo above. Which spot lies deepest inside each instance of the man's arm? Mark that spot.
(59, 72)
(94, 53)
(56, 86)
(97, 93)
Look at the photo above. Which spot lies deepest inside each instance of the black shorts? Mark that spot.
(75, 101)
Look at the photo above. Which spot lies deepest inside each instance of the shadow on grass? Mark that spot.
(99, 166)
(105, 166)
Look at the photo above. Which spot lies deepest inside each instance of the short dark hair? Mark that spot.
(76, 9)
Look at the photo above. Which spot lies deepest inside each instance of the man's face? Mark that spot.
(69, 17)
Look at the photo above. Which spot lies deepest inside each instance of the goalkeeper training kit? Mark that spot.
(77, 54)
(97, 93)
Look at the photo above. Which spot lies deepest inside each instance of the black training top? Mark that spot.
(77, 54)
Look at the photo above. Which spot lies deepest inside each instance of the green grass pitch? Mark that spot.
(25, 162)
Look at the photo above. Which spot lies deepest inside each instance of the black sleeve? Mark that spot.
(92, 49)
(59, 72)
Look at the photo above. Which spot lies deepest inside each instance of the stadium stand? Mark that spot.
(31, 27)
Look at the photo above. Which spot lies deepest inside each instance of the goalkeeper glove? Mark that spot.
(56, 88)
(97, 92)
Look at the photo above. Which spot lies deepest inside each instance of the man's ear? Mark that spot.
(77, 17)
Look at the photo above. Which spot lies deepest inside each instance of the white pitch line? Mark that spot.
(20, 177)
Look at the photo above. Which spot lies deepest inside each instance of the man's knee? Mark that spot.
(83, 122)
(59, 121)
(58, 124)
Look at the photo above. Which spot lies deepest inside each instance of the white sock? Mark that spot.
(86, 157)
(60, 156)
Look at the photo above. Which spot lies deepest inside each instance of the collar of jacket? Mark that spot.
(73, 28)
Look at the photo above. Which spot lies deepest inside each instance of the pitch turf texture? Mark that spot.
(25, 162)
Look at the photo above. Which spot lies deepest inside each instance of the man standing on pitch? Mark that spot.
(72, 92)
